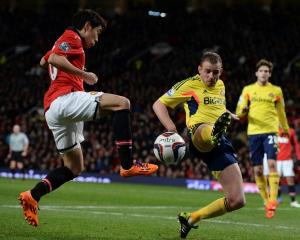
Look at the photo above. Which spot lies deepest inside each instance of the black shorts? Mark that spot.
(260, 144)
(17, 156)
(219, 157)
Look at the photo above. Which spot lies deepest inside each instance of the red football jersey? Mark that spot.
(286, 144)
(70, 46)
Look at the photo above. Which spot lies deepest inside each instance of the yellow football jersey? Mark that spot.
(266, 108)
(202, 104)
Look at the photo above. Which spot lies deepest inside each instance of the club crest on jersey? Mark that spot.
(64, 46)
(271, 95)
(171, 92)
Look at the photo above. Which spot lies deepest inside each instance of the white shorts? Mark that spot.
(285, 168)
(66, 117)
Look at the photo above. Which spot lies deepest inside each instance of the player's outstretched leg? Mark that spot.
(220, 127)
(30, 208)
(139, 168)
(185, 226)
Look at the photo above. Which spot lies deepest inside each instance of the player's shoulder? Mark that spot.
(220, 83)
(275, 87)
(187, 82)
(70, 36)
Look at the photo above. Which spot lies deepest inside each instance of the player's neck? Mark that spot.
(262, 83)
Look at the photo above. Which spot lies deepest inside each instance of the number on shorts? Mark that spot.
(52, 72)
(272, 139)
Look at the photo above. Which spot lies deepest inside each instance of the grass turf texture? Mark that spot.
(126, 211)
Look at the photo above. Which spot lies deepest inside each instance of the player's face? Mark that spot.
(210, 73)
(16, 129)
(263, 74)
(91, 36)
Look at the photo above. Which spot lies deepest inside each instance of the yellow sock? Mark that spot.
(261, 183)
(202, 138)
(214, 209)
(274, 184)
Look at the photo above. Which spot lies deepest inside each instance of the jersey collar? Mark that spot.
(72, 28)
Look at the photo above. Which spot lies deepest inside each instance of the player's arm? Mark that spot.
(243, 104)
(26, 145)
(162, 113)
(172, 98)
(295, 144)
(281, 112)
(62, 63)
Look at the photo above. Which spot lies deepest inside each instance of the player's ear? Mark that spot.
(256, 74)
(87, 26)
(221, 70)
(199, 68)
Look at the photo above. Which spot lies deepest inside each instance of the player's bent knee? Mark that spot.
(124, 103)
(77, 171)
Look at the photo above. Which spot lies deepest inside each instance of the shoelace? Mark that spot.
(140, 164)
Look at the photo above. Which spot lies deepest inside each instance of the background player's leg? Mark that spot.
(20, 167)
(12, 167)
(261, 183)
(273, 180)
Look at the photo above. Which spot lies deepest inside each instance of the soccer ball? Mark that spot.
(169, 148)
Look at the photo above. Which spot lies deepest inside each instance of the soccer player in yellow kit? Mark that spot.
(203, 97)
(263, 104)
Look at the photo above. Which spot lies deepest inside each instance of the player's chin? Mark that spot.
(89, 44)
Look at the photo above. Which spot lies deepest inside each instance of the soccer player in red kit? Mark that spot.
(285, 164)
(67, 106)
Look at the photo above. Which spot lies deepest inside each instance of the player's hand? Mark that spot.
(90, 78)
(245, 109)
(233, 116)
(24, 154)
(285, 135)
(9, 156)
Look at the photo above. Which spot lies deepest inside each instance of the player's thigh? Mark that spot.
(288, 168)
(256, 149)
(73, 107)
(73, 160)
(279, 168)
(270, 145)
(67, 136)
(112, 102)
(232, 183)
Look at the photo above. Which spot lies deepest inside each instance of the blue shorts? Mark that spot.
(219, 157)
(260, 144)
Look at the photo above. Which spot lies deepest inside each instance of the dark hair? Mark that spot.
(264, 62)
(211, 57)
(87, 15)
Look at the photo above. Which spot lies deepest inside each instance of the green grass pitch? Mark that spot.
(130, 211)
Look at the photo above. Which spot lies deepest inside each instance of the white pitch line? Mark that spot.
(78, 209)
(136, 207)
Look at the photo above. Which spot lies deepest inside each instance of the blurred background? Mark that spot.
(148, 46)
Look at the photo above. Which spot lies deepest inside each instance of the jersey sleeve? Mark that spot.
(281, 111)
(26, 140)
(47, 55)
(179, 93)
(242, 103)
